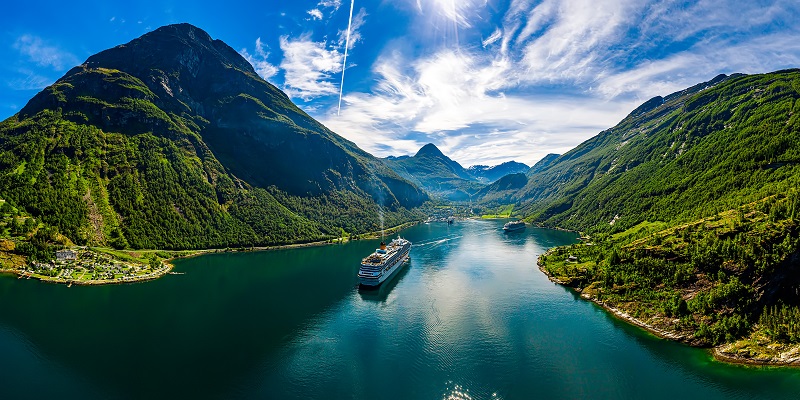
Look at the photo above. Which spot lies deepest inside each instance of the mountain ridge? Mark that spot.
(173, 141)
(689, 210)
(680, 136)
(441, 176)
(489, 174)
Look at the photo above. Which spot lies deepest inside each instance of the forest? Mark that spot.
(146, 192)
(692, 154)
(715, 280)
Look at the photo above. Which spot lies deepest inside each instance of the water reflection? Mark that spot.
(381, 293)
(473, 318)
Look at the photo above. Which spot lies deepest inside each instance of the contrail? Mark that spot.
(344, 62)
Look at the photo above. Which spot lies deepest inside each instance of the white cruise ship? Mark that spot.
(514, 226)
(384, 262)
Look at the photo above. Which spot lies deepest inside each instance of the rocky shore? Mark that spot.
(751, 351)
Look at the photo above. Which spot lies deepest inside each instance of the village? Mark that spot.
(83, 266)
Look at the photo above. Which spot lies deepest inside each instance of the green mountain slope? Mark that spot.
(692, 207)
(729, 280)
(694, 153)
(173, 141)
(543, 163)
(436, 173)
(503, 190)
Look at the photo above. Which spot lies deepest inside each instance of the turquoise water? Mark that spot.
(469, 317)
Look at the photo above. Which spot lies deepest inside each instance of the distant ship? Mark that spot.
(514, 226)
(384, 262)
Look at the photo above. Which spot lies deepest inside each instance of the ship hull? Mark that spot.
(514, 229)
(374, 282)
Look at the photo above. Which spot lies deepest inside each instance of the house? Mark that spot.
(38, 265)
(66, 255)
(572, 258)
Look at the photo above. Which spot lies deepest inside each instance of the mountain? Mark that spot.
(502, 190)
(506, 189)
(487, 174)
(173, 141)
(543, 163)
(436, 173)
(693, 209)
(706, 149)
(729, 280)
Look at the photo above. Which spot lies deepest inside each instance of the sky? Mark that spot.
(486, 81)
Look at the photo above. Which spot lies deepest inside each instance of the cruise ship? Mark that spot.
(514, 226)
(384, 262)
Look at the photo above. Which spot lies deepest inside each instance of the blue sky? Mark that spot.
(485, 80)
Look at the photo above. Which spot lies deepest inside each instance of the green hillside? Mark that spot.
(436, 173)
(692, 206)
(692, 154)
(173, 141)
(542, 164)
(729, 278)
(503, 190)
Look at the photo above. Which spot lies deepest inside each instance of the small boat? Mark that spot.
(514, 226)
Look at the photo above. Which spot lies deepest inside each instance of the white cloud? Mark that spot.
(565, 40)
(455, 100)
(458, 12)
(701, 63)
(44, 55)
(259, 60)
(652, 77)
(315, 13)
(308, 67)
(622, 47)
(335, 4)
(29, 80)
(332, 5)
(355, 29)
(679, 21)
(495, 36)
(487, 103)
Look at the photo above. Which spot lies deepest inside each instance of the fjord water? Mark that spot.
(470, 317)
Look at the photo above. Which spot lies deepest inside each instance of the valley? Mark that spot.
(172, 145)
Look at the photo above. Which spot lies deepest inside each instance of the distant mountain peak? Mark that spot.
(436, 172)
(429, 150)
(181, 48)
(183, 28)
(487, 174)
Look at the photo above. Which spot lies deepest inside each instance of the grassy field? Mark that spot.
(141, 256)
(500, 212)
(643, 229)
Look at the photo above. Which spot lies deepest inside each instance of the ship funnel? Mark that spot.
(383, 246)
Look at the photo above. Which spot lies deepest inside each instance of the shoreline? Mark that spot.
(168, 265)
(718, 352)
(365, 236)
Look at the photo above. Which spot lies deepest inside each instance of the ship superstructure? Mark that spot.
(514, 226)
(384, 262)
